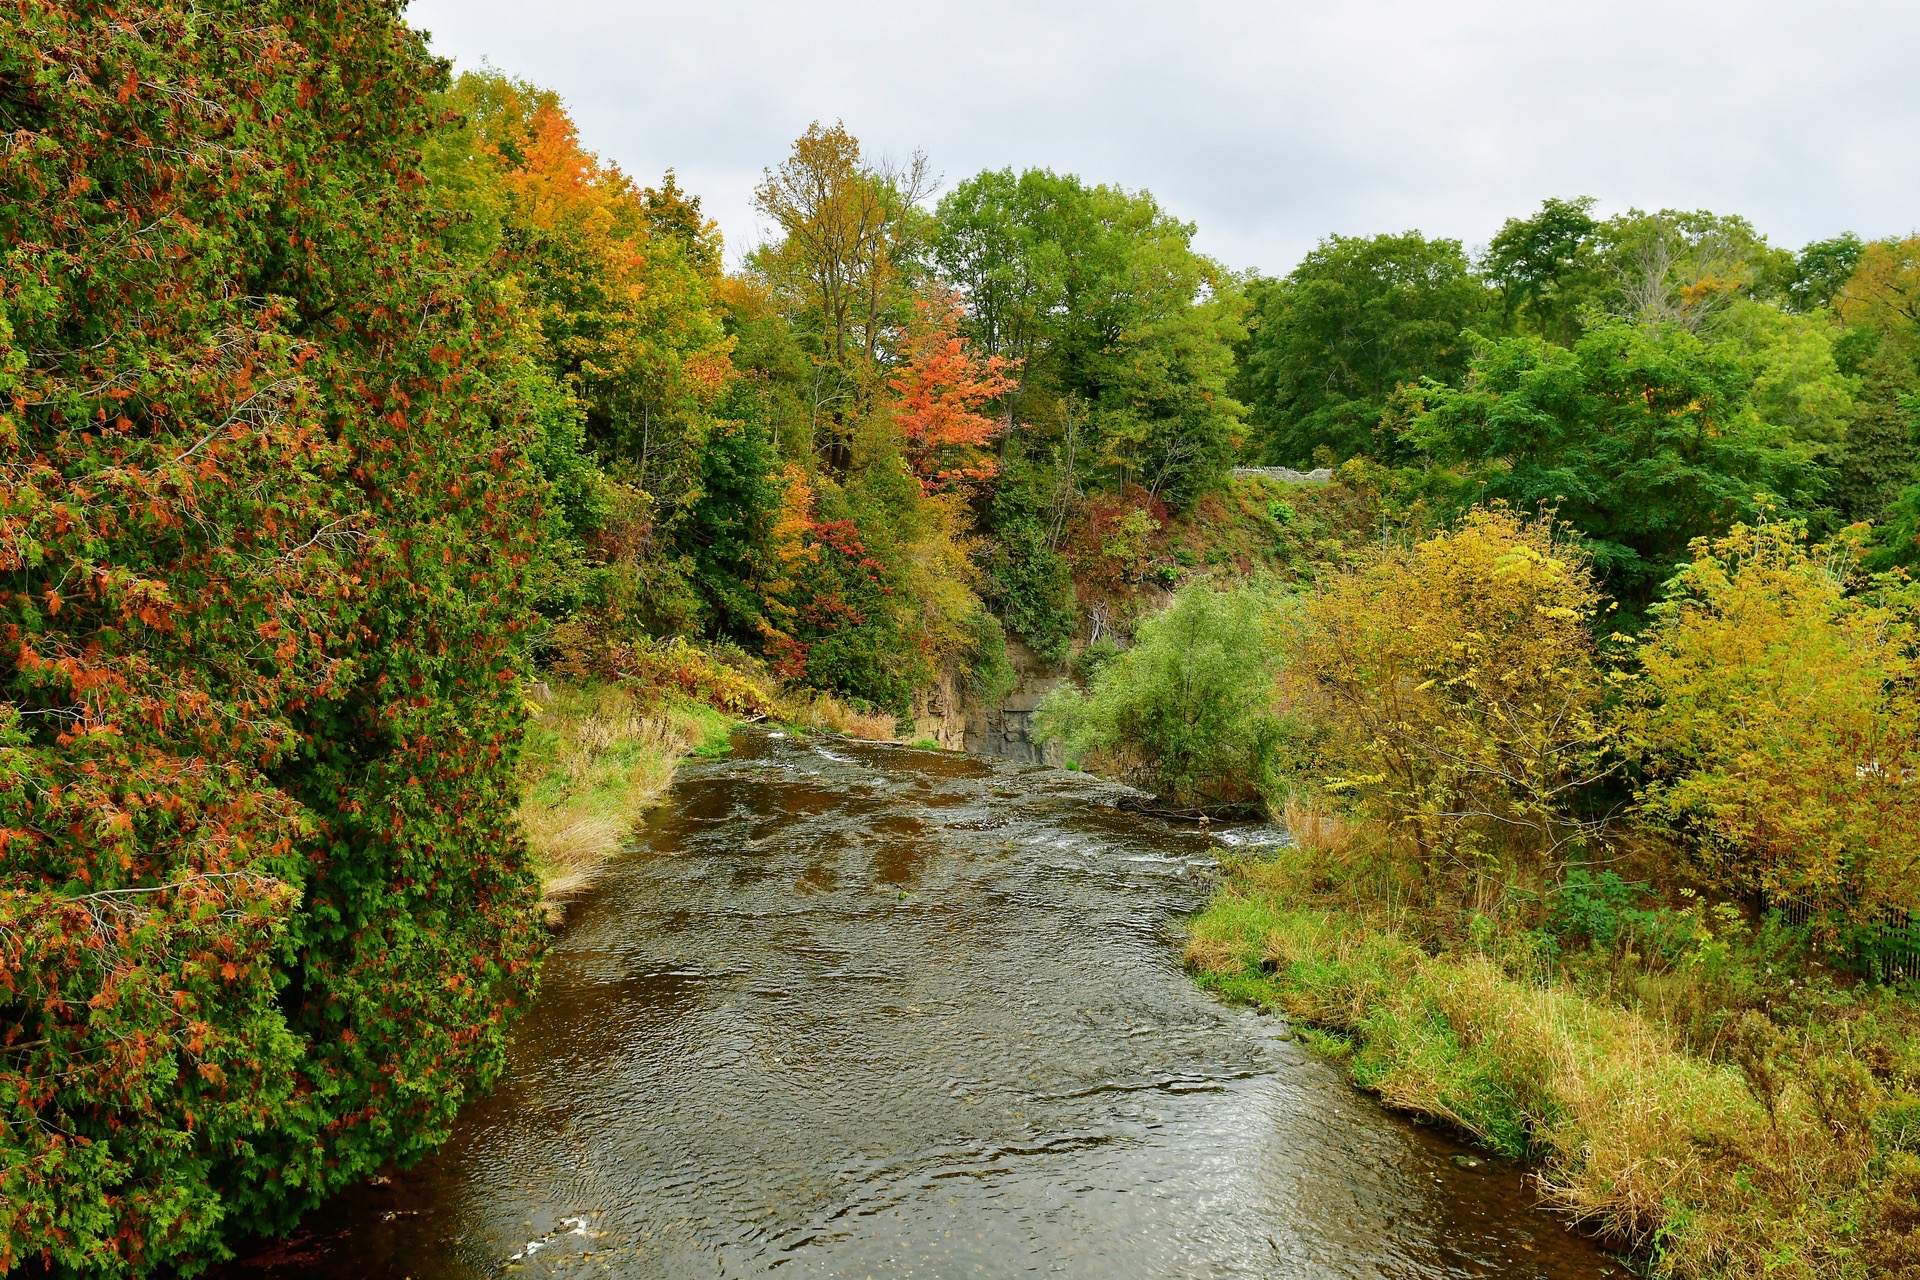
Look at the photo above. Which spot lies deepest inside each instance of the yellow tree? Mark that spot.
(1884, 291)
(1777, 719)
(1457, 689)
(849, 233)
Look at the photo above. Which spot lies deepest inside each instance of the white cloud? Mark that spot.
(1268, 124)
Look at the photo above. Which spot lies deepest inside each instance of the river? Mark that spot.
(853, 1010)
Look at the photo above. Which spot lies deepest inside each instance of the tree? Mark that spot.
(992, 245)
(1683, 267)
(1880, 457)
(846, 261)
(1355, 320)
(1114, 318)
(268, 514)
(941, 388)
(621, 280)
(1797, 382)
(1544, 268)
(1640, 439)
(1883, 293)
(728, 531)
(1457, 695)
(1820, 271)
(1186, 711)
(1776, 719)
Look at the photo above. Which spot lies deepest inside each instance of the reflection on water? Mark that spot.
(864, 1011)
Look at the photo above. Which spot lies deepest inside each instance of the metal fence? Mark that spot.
(1886, 947)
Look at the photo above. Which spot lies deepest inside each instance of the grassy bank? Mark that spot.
(600, 753)
(598, 756)
(1707, 1139)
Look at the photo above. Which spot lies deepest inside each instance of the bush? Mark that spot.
(1456, 695)
(264, 536)
(1776, 721)
(1186, 712)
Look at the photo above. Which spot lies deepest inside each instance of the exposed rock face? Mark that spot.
(949, 716)
(942, 714)
(1006, 731)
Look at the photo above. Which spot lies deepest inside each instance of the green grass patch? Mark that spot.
(1673, 1153)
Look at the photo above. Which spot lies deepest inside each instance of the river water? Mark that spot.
(855, 1010)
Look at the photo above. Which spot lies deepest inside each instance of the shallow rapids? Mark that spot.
(862, 1011)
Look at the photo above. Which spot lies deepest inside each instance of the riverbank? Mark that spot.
(600, 753)
(1783, 1146)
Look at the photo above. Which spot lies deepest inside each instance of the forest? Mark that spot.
(355, 416)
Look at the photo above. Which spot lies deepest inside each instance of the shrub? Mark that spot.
(1455, 688)
(1187, 710)
(1776, 719)
(264, 534)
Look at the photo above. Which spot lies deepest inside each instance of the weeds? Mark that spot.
(1691, 1089)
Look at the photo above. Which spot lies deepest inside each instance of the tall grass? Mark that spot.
(814, 709)
(1790, 1152)
(598, 756)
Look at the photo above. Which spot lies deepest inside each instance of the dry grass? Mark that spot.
(1316, 828)
(598, 757)
(815, 710)
(1645, 1142)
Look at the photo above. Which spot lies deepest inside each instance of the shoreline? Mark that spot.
(600, 754)
(1684, 1163)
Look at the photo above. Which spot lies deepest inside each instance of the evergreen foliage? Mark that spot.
(268, 521)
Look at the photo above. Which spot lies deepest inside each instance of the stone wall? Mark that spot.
(1287, 475)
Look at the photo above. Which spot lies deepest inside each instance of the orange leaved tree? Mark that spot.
(942, 387)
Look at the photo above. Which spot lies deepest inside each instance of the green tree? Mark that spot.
(1027, 579)
(992, 243)
(1880, 457)
(1642, 439)
(1820, 271)
(1545, 268)
(1797, 381)
(728, 529)
(1114, 317)
(268, 511)
(1355, 320)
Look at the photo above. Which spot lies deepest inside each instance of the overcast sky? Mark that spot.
(1269, 123)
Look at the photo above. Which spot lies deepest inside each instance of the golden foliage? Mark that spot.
(1777, 718)
(1884, 292)
(1456, 692)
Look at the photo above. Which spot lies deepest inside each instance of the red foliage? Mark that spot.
(942, 386)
